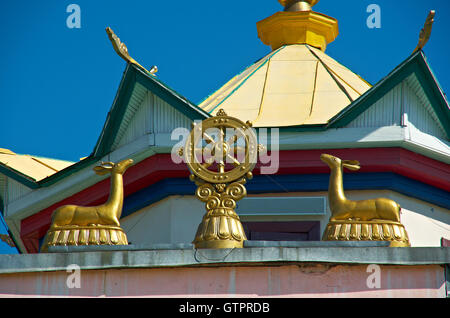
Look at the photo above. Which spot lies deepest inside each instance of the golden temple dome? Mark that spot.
(297, 83)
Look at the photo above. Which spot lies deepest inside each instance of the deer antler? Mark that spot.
(107, 164)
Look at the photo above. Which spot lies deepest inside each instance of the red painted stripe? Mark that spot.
(159, 167)
(400, 161)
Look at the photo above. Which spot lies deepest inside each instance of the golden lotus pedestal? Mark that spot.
(74, 235)
(220, 228)
(377, 230)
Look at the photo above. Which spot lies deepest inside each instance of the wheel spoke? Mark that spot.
(239, 150)
(235, 161)
(209, 139)
(232, 140)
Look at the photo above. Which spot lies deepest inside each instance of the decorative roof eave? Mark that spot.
(133, 75)
(415, 64)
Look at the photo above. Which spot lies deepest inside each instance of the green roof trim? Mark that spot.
(415, 64)
(303, 128)
(18, 176)
(54, 178)
(170, 96)
(133, 75)
(115, 115)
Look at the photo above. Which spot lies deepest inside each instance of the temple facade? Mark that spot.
(305, 217)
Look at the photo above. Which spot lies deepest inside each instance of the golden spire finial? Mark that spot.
(298, 5)
(298, 24)
(425, 33)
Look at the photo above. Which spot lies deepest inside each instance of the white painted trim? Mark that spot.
(393, 136)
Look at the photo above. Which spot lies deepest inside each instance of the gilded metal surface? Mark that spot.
(425, 33)
(222, 151)
(298, 5)
(220, 226)
(300, 26)
(364, 220)
(7, 239)
(283, 103)
(232, 151)
(290, 3)
(122, 50)
(367, 231)
(97, 225)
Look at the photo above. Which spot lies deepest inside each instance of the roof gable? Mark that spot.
(405, 105)
(148, 115)
(130, 97)
(425, 96)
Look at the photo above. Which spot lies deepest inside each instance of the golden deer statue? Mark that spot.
(96, 225)
(373, 219)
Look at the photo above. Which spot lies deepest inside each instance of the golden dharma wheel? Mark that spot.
(220, 152)
(221, 149)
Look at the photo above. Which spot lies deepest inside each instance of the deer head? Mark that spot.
(111, 167)
(335, 162)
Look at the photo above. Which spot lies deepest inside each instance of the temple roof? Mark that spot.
(297, 84)
(294, 85)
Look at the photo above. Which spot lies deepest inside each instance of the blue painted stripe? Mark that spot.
(295, 183)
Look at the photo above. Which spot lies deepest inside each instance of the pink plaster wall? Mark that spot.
(274, 281)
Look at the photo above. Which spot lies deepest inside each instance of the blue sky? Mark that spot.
(57, 84)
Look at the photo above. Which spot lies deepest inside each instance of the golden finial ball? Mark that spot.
(284, 3)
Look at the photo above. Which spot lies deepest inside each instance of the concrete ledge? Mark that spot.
(186, 246)
(112, 248)
(254, 256)
(316, 244)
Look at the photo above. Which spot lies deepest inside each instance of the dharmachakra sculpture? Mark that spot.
(96, 225)
(365, 220)
(221, 153)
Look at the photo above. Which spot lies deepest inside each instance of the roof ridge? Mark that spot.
(329, 70)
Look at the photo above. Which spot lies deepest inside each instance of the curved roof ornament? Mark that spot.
(122, 50)
(425, 33)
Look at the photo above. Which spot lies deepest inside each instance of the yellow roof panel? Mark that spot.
(292, 86)
(34, 167)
